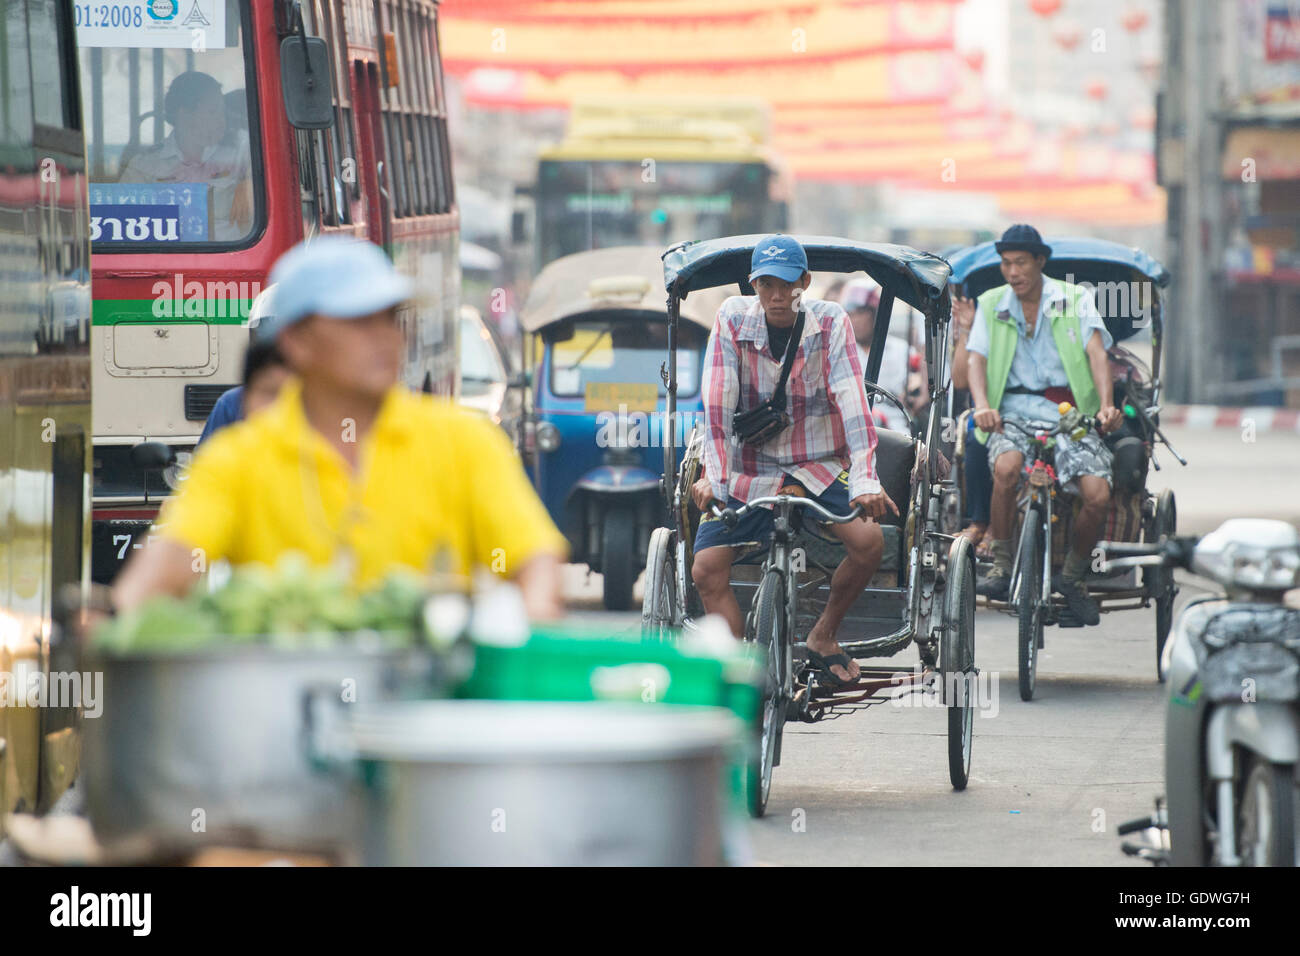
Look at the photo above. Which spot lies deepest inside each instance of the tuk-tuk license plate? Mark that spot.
(612, 396)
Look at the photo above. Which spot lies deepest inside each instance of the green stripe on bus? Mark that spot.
(214, 311)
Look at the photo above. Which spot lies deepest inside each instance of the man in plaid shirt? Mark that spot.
(828, 448)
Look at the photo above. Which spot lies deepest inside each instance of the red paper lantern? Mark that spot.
(1068, 35)
(1097, 89)
(974, 59)
(1134, 19)
(1045, 8)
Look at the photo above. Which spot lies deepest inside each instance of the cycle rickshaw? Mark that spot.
(924, 591)
(1127, 284)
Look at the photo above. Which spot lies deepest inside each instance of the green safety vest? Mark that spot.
(1004, 336)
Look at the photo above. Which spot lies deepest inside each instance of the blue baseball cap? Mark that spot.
(778, 256)
(334, 276)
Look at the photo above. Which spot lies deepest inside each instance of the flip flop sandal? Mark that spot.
(983, 552)
(822, 665)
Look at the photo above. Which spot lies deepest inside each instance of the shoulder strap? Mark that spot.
(778, 396)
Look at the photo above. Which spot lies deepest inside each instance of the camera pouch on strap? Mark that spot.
(762, 424)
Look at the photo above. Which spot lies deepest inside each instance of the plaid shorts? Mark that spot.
(1073, 458)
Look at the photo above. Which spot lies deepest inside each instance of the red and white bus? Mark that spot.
(198, 181)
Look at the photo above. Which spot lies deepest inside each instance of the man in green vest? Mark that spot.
(1021, 370)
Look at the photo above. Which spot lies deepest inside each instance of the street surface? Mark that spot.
(1050, 779)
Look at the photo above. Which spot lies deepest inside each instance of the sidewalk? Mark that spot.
(1264, 418)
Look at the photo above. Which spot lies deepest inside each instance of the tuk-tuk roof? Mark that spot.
(1088, 260)
(1075, 259)
(917, 278)
(619, 278)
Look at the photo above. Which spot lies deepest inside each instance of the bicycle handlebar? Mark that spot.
(1143, 823)
(730, 516)
(1175, 551)
(1089, 422)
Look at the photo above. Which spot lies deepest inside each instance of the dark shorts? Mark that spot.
(755, 527)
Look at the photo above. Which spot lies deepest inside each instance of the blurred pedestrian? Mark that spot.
(264, 375)
(347, 466)
(978, 479)
(861, 300)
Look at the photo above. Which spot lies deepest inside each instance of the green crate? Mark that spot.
(577, 663)
(574, 661)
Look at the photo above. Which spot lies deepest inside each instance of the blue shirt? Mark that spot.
(228, 410)
(1036, 364)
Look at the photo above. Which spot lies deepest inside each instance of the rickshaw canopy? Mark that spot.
(1098, 262)
(617, 278)
(917, 278)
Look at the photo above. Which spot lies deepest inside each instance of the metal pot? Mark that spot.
(208, 748)
(514, 783)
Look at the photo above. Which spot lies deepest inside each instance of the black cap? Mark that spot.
(1023, 238)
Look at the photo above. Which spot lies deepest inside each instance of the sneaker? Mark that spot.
(996, 585)
(1081, 607)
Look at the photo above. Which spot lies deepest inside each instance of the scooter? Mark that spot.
(1232, 731)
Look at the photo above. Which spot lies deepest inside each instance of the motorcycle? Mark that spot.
(1232, 731)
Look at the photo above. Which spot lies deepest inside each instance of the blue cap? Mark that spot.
(335, 276)
(778, 256)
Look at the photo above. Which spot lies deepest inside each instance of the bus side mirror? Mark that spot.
(305, 79)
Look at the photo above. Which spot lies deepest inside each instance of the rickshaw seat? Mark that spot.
(895, 456)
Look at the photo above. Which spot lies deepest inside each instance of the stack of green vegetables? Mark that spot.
(291, 606)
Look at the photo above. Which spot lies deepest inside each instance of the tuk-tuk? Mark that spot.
(597, 427)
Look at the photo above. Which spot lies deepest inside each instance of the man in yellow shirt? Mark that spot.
(347, 465)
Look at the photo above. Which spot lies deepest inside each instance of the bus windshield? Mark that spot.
(169, 124)
(595, 204)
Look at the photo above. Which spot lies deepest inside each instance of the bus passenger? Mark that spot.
(347, 466)
(197, 150)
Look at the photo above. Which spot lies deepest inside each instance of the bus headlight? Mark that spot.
(548, 437)
(174, 474)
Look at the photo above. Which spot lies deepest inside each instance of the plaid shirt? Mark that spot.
(830, 427)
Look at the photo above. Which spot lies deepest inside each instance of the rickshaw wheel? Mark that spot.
(1029, 610)
(768, 621)
(1159, 581)
(658, 607)
(617, 550)
(957, 660)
